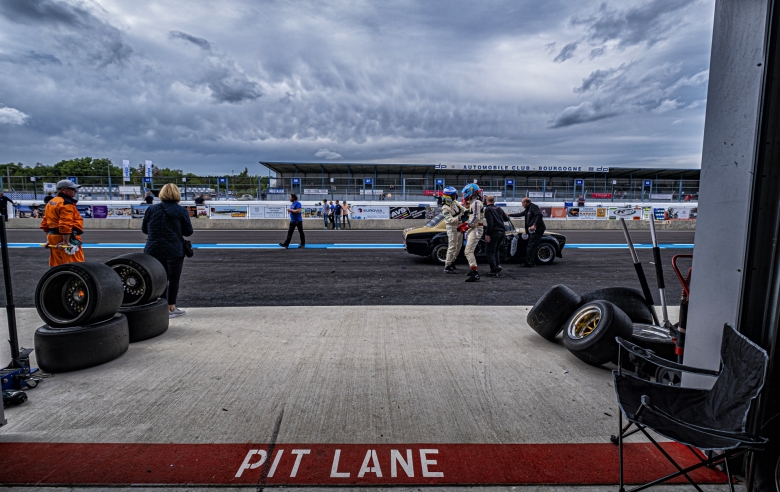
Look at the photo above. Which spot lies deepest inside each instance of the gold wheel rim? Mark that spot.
(584, 323)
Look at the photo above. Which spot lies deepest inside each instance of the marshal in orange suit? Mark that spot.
(63, 225)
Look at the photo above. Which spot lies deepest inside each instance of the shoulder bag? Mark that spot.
(188, 251)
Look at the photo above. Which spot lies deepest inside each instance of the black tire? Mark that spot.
(78, 294)
(656, 339)
(630, 301)
(79, 347)
(590, 332)
(668, 377)
(439, 253)
(147, 321)
(551, 311)
(545, 255)
(143, 278)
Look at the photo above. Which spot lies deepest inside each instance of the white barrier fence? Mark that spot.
(359, 211)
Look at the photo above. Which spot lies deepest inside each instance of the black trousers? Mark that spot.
(290, 231)
(173, 267)
(532, 247)
(494, 248)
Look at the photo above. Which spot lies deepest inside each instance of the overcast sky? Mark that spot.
(212, 87)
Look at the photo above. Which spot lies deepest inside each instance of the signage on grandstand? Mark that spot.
(521, 167)
(276, 191)
(312, 191)
(540, 194)
(661, 196)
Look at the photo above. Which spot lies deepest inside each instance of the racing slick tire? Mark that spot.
(143, 278)
(590, 332)
(545, 255)
(630, 301)
(147, 321)
(439, 253)
(78, 294)
(548, 315)
(80, 347)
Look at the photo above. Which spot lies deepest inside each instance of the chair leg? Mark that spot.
(663, 451)
(728, 474)
(620, 447)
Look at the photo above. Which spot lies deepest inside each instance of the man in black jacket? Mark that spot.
(534, 228)
(495, 234)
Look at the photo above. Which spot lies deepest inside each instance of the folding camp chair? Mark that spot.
(709, 420)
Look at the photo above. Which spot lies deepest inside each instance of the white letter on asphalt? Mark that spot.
(334, 470)
(424, 462)
(397, 459)
(246, 466)
(300, 453)
(275, 463)
(370, 455)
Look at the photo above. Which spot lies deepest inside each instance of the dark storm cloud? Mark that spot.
(199, 42)
(566, 52)
(31, 57)
(595, 80)
(583, 113)
(648, 22)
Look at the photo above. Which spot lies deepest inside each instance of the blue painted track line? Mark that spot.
(333, 246)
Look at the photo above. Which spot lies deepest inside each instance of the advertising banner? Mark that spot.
(125, 171)
(492, 193)
(681, 213)
(119, 212)
(197, 211)
(148, 169)
(99, 211)
(139, 211)
(577, 213)
(275, 212)
(315, 191)
(50, 188)
(85, 211)
(276, 191)
(541, 194)
(26, 212)
(659, 213)
(628, 213)
(360, 212)
(410, 212)
(370, 192)
(558, 213)
(256, 211)
(228, 211)
(663, 196)
(601, 195)
(310, 212)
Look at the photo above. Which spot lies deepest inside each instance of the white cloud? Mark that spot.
(12, 116)
(666, 106)
(327, 154)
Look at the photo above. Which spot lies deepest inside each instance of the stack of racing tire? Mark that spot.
(93, 311)
(591, 322)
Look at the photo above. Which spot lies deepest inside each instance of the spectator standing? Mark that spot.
(580, 201)
(47, 198)
(495, 235)
(534, 228)
(149, 199)
(4, 201)
(165, 225)
(200, 200)
(325, 212)
(337, 215)
(296, 221)
(345, 211)
(331, 208)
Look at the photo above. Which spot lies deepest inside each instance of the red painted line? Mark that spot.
(336, 464)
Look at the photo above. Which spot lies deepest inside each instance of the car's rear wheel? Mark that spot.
(439, 253)
(546, 254)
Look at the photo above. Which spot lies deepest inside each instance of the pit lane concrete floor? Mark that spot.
(357, 374)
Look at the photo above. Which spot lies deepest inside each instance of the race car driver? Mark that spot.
(63, 225)
(472, 228)
(452, 211)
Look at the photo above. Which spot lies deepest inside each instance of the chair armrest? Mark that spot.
(734, 436)
(650, 356)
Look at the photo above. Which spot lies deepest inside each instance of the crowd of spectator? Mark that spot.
(335, 215)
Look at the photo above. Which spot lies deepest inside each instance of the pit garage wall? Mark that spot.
(728, 161)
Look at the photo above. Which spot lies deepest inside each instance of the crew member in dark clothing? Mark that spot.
(200, 200)
(47, 198)
(4, 201)
(534, 228)
(495, 235)
(148, 199)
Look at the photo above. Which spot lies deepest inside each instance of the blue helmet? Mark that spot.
(470, 189)
(451, 192)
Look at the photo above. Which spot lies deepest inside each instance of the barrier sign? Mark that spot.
(228, 211)
(682, 213)
(586, 213)
(628, 213)
(49, 187)
(601, 195)
(276, 191)
(275, 212)
(361, 212)
(410, 212)
(313, 191)
(371, 192)
(139, 211)
(664, 196)
(119, 212)
(540, 194)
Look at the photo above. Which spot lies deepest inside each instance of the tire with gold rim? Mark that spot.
(590, 332)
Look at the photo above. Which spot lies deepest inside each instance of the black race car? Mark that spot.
(431, 240)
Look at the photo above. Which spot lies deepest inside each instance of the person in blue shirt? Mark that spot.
(325, 212)
(296, 220)
(337, 215)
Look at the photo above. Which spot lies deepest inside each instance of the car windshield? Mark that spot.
(438, 218)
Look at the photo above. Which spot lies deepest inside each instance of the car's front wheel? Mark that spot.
(439, 253)
(546, 254)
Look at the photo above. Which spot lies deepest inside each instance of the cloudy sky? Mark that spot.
(214, 86)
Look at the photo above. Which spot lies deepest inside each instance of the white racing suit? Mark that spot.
(474, 232)
(452, 212)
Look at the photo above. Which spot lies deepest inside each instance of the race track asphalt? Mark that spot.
(276, 277)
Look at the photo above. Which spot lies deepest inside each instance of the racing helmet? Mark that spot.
(469, 190)
(450, 192)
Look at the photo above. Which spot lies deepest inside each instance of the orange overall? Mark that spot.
(61, 219)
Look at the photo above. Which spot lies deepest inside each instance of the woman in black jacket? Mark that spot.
(165, 224)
